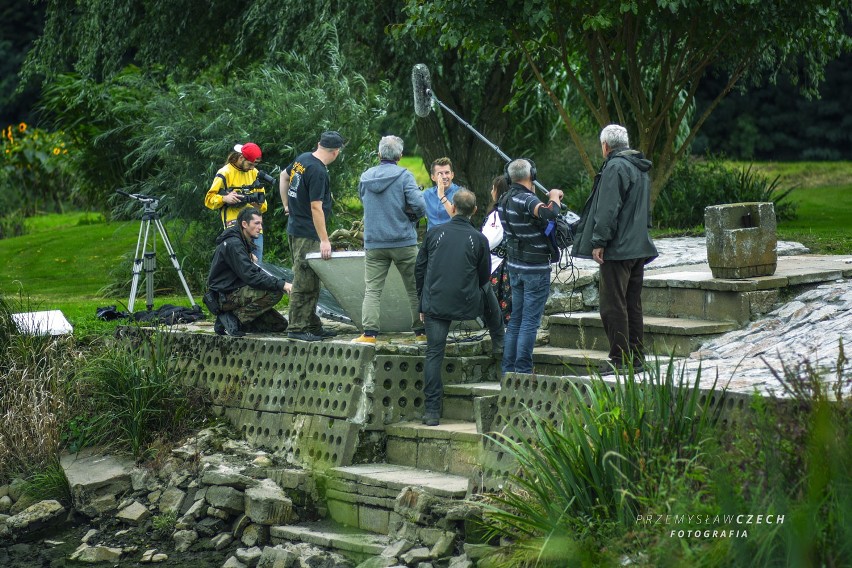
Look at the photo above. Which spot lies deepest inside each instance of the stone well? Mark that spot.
(741, 240)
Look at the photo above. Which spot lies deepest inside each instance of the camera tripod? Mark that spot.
(148, 258)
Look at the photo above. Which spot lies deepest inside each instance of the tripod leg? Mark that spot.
(175, 263)
(141, 245)
(149, 262)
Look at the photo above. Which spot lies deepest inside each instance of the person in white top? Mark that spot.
(492, 228)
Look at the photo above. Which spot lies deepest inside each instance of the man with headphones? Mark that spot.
(528, 258)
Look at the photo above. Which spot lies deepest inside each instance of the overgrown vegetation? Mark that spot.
(696, 184)
(607, 485)
(58, 394)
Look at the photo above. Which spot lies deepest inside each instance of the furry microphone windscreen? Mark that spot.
(422, 85)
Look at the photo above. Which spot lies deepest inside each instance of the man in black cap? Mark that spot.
(306, 195)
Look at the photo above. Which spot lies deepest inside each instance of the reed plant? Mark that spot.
(616, 448)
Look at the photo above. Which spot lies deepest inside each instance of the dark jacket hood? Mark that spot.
(228, 233)
(635, 157)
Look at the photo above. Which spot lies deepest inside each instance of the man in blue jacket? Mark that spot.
(246, 293)
(453, 265)
(392, 205)
(613, 231)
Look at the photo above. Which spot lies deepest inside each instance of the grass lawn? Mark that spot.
(824, 219)
(63, 262)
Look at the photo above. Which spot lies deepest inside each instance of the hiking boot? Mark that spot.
(324, 333)
(431, 420)
(368, 339)
(227, 324)
(304, 336)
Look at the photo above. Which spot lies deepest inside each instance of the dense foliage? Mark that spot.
(639, 63)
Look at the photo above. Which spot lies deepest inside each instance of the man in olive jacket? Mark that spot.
(453, 265)
(613, 231)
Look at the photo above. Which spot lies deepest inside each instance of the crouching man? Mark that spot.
(246, 293)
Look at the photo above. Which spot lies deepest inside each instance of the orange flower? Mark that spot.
(22, 127)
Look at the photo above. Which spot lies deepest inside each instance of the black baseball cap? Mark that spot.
(331, 139)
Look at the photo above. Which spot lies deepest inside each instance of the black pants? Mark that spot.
(621, 308)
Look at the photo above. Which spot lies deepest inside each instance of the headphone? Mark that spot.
(532, 171)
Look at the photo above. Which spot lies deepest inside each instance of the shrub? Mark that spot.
(134, 397)
(600, 466)
(696, 184)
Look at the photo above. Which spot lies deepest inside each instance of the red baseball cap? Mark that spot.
(249, 150)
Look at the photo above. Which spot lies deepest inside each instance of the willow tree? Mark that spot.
(640, 62)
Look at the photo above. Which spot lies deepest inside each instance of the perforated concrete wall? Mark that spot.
(548, 397)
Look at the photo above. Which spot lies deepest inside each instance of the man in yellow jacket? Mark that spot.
(235, 187)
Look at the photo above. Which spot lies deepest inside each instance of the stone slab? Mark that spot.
(397, 477)
(331, 535)
(343, 275)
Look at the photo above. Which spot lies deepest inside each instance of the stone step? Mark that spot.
(459, 399)
(364, 496)
(564, 361)
(453, 447)
(663, 335)
(353, 543)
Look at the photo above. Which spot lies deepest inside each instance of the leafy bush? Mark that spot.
(134, 397)
(600, 466)
(696, 184)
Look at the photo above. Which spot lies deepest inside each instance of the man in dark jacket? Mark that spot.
(614, 232)
(453, 265)
(392, 205)
(246, 292)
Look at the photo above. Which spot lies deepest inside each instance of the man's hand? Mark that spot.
(422, 317)
(325, 249)
(254, 258)
(597, 255)
(288, 287)
(555, 195)
(232, 198)
(442, 184)
(286, 211)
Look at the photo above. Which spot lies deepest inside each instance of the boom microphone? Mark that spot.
(422, 84)
(423, 98)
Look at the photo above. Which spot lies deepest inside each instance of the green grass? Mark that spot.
(414, 164)
(63, 262)
(824, 219)
(803, 174)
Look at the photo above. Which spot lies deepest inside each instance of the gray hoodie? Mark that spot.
(388, 191)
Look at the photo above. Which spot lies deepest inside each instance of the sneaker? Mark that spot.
(323, 333)
(369, 339)
(227, 324)
(420, 337)
(304, 336)
(431, 420)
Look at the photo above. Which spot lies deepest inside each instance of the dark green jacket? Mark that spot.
(617, 214)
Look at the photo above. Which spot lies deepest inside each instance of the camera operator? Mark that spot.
(236, 187)
(246, 294)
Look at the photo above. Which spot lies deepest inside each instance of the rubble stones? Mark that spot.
(41, 515)
(266, 504)
(171, 500)
(94, 554)
(135, 513)
(184, 539)
(226, 498)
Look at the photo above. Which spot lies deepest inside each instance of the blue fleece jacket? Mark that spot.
(387, 192)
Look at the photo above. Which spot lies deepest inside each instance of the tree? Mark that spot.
(219, 40)
(640, 62)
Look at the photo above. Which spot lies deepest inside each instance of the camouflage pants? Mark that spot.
(249, 303)
(306, 288)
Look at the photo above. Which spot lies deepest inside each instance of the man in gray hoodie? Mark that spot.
(613, 231)
(392, 205)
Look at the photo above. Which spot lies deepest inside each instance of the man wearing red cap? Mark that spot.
(235, 187)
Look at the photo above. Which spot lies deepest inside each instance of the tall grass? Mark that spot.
(600, 467)
(33, 406)
(134, 398)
